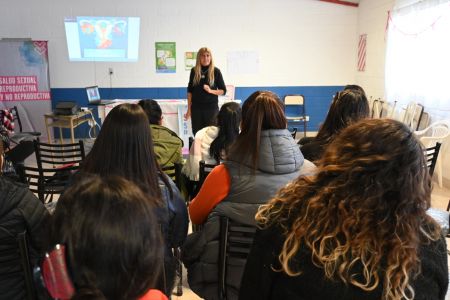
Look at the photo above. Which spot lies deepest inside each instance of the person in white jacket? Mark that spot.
(211, 143)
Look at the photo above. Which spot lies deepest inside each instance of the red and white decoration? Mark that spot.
(362, 52)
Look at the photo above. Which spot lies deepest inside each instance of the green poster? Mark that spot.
(166, 57)
(189, 60)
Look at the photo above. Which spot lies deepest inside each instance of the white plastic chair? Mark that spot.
(413, 115)
(437, 132)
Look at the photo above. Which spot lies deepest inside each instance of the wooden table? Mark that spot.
(67, 121)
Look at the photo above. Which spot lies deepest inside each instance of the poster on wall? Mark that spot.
(189, 60)
(24, 81)
(166, 58)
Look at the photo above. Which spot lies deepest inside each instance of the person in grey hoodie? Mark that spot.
(263, 159)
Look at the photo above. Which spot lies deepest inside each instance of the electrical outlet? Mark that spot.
(91, 123)
(110, 71)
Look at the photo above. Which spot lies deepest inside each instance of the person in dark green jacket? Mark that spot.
(167, 144)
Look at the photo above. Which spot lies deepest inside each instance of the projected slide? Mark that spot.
(102, 38)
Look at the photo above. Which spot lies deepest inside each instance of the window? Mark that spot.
(418, 56)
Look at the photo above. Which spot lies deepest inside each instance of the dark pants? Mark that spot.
(202, 118)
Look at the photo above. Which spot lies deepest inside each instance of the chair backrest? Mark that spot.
(294, 100)
(174, 172)
(14, 262)
(15, 112)
(235, 244)
(294, 132)
(413, 115)
(19, 135)
(377, 108)
(417, 116)
(204, 170)
(439, 131)
(58, 154)
(431, 155)
(55, 165)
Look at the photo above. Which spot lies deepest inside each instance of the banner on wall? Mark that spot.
(24, 81)
(166, 57)
(362, 52)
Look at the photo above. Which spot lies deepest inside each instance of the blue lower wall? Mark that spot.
(317, 98)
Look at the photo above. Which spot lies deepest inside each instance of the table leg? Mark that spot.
(61, 135)
(49, 137)
(72, 134)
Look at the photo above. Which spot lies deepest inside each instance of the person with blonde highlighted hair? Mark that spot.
(357, 229)
(205, 86)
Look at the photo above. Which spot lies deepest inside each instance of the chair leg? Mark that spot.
(439, 170)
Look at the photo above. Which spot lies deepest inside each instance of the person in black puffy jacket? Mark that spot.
(20, 211)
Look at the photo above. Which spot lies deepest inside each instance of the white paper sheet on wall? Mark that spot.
(243, 62)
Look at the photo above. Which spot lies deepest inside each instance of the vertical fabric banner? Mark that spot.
(362, 52)
(24, 81)
(166, 57)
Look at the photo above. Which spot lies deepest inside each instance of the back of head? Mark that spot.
(373, 172)
(113, 244)
(228, 121)
(354, 87)
(152, 109)
(262, 110)
(348, 107)
(124, 147)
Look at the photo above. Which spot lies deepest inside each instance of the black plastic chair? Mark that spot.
(55, 165)
(15, 261)
(17, 137)
(174, 172)
(204, 170)
(431, 155)
(294, 132)
(235, 244)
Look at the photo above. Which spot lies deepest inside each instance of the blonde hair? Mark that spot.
(365, 206)
(198, 67)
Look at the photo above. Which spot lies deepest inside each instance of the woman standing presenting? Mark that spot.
(205, 86)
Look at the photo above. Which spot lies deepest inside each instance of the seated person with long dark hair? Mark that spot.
(263, 159)
(20, 211)
(111, 241)
(211, 143)
(124, 147)
(167, 145)
(357, 229)
(348, 106)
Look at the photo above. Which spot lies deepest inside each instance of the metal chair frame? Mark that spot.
(297, 101)
(235, 244)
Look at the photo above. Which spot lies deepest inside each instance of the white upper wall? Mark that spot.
(300, 42)
(372, 19)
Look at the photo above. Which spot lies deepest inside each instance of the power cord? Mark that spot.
(92, 124)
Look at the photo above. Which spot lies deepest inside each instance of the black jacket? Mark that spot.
(261, 282)
(200, 98)
(20, 210)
